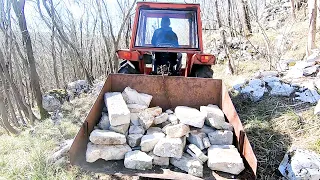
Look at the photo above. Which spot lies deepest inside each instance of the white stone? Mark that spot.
(123, 129)
(196, 137)
(134, 119)
(136, 108)
(169, 147)
(160, 161)
(207, 129)
(206, 142)
(310, 96)
(149, 141)
(137, 160)
(161, 118)
(197, 153)
(310, 70)
(106, 152)
(190, 116)
(131, 96)
(104, 122)
(221, 137)
(300, 164)
(255, 92)
(118, 111)
(169, 111)
(173, 119)
(188, 164)
(215, 117)
(134, 139)
(146, 119)
(177, 131)
(281, 89)
(78, 86)
(225, 158)
(136, 130)
(317, 108)
(98, 136)
(153, 130)
(154, 111)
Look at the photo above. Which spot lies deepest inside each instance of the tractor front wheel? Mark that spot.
(203, 71)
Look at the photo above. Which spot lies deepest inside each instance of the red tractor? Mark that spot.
(166, 40)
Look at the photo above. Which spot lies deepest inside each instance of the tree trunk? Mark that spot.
(4, 115)
(229, 18)
(312, 6)
(293, 10)
(244, 16)
(53, 49)
(34, 77)
(217, 13)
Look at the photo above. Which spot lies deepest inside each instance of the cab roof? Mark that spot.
(163, 5)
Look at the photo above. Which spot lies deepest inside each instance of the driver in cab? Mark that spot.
(164, 36)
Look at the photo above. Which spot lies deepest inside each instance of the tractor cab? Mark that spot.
(166, 39)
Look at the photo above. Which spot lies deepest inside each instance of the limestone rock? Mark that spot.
(134, 119)
(136, 130)
(154, 111)
(51, 103)
(309, 95)
(173, 119)
(188, 164)
(169, 111)
(104, 122)
(118, 111)
(136, 108)
(207, 129)
(206, 142)
(146, 119)
(161, 118)
(131, 96)
(169, 147)
(106, 152)
(98, 136)
(221, 137)
(225, 158)
(177, 131)
(134, 139)
(215, 117)
(120, 129)
(195, 152)
(195, 138)
(300, 164)
(149, 141)
(153, 130)
(190, 116)
(281, 89)
(137, 160)
(160, 161)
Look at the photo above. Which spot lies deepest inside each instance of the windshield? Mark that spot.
(167, 28)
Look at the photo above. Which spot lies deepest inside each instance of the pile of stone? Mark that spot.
(186, 138)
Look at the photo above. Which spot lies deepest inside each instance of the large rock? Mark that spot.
(188, 164)
(196, 137)
(154, 111)
(160, 161)
(309, 95)
(153, 130)
(173, 119)
(300, 164)
(190, 116)
(146, 119)
(136, 108)
(131, 96)
(161, 118)
(136, 130)
(104, 122)
(149, 141)
(118, 111)
(98, 136)
(221, 137)
(195, 152)
(123, 129)
(169, 147)
(206, 142)
(106, 152)
(177, 131)
(215, 117)
(207, 129)
(254, 90)
(281, 89)
(134, 119)
(78, 87)
(50, 103)
(137, 160)
(134, 139)
(225, 158)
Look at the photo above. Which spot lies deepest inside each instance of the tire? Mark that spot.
(203, 71)
(127, 67)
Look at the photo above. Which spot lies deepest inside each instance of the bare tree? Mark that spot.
(245, 19)
(293, 9)
(312, 6)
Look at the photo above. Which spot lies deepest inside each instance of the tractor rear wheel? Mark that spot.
(203, 71)
(126, 67)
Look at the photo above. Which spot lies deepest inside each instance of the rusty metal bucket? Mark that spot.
(167, 92)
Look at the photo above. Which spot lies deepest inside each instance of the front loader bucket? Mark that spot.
(168, 92)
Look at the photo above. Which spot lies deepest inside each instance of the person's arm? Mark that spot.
(176, 42)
